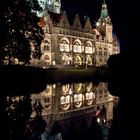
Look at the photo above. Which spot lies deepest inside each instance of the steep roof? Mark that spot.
(104, 10)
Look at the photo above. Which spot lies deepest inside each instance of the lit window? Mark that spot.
(64, 46)
(77, 47)
(105, 53)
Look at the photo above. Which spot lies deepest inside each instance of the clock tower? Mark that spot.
(104, 23)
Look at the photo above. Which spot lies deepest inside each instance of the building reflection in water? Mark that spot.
(63, 101)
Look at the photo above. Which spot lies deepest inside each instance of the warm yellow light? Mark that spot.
(97, 24)
(98, 120)
(53, 63)
(54, 85)
(70, 58)
(70, 91)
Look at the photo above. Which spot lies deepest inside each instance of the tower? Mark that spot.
(54, 6)
(104, 23)
(42, 4)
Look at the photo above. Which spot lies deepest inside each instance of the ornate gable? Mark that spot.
(64, 21)
(88, 26)
(77, 23)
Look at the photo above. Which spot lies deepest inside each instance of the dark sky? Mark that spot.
(91, 8)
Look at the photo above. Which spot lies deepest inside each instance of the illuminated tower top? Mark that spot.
(104, 10)
(104, 25)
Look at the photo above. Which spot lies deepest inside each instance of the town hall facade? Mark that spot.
(75, 42)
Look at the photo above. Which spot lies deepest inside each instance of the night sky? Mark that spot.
(91, 8)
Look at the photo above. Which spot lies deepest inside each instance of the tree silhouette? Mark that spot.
(15, 112)
(20, 33)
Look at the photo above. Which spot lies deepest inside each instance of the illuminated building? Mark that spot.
(63, 101)
(106, 42)
(73, 42)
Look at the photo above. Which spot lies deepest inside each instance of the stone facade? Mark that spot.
(63, 101)
(76, 43)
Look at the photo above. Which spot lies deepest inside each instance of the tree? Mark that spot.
(15, 112)
(20, 33)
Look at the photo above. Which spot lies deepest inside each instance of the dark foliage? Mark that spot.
(20, 33)
(37, 125)
(15, 112)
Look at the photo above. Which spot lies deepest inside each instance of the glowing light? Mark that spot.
(97, 24)
(98, 120)
(70, 91)
(53, 63)
(103, 24)
(70, 58)
(54, 85)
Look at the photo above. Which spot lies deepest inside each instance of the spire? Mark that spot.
(104, 10)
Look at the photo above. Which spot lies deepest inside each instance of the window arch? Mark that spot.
(105, 51)
(77, 48)
(89, 48)
(47, 57)
(78, 60)
(100, 51)
(78, 98)
(89, 60)
(65, 60)
(46, 45)
(65, 88)
(65, 102)
(64, 45)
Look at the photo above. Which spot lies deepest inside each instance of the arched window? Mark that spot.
(105, 51)
(78, 60)
(47, 57)
(77, 87)
(89, 48)
(90, 97)
(65, 88)
(89, 60)
(78, 98)
(46, 45)
(77, 48)
(64, 45)
(65, 60)
(100, 51)
(65, 102)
